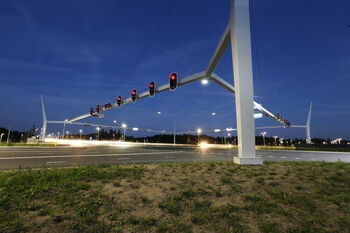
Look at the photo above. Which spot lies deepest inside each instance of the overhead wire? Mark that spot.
(187, 54)
(143, 52)
(252, 25)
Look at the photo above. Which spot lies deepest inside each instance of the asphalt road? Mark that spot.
(62, 156)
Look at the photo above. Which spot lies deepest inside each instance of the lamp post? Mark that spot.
(98, 133)
(124, 127)
(58, 133)
(228, 135)
(2, 136)
(64, 127)
(8, 134)
(275, 137)
(81, 132)
(67, 132)
(263, 134)
(199, 131)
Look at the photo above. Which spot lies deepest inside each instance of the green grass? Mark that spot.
(217, 197)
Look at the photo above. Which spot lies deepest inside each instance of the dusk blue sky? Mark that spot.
(75, 53)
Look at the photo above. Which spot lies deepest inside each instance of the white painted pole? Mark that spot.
(8, 134)
(243, 79)
(174, 135)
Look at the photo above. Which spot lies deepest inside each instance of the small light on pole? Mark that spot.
(205, 82)
(67, 132)
(124, 127)
(275, 137)
(115, 121)
(98, 133)
(263, 134)
(213, 113)
(81, 132)
(199, 131)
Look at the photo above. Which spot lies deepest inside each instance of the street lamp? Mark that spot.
(213, 113)
(275, 137)
(205, 82)
(67, 134)
(64, 127)
(115, 121)
(98, 133)
(81, 132)
(58, 135)
(199, 131)
(124, 127)
(263, 134)
(1, 137)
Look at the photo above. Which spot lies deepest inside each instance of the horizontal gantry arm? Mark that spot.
(214, 77)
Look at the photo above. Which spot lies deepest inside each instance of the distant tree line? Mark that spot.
(17, 136)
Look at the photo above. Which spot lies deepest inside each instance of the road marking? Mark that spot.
(169, 157)
(123, 158)
(270, 156)
(77, 156)
(282, 157)
(297, 158)
(46, 153)
(56, 162)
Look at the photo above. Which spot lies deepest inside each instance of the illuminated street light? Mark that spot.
(124, 127)
(263, 134)
(81, 131)
(213, 113)
(1, 137)
(135, 129)
(159, 113)
(275, 137)
(205, 82)
(199, 131)
(98, 133)
(217, 130)
(64, 127)
(67, 132)
(115, 121)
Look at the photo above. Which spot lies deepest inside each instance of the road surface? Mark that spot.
(64, 156)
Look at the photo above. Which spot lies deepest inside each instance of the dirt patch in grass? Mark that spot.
(178, 197)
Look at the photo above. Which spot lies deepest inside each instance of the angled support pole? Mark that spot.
(43, 133)
(308, 133)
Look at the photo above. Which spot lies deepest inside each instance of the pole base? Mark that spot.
(248, 161)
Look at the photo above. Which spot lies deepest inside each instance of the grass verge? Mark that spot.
(178, 197)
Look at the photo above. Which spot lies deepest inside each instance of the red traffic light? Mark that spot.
(152, 89)
(173, 82)
(119, 101)
(133, 96)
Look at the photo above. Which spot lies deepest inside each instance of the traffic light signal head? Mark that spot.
(152, 89)
(173, 82)
(119, 101)
(133, 96)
